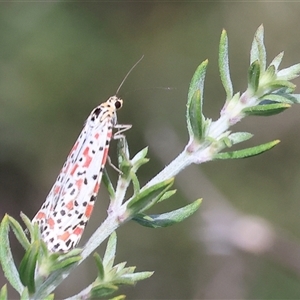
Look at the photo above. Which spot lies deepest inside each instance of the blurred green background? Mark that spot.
(58, 60)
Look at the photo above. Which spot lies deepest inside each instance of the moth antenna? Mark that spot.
(128, 74)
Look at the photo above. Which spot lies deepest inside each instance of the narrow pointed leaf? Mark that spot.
(19, 232)
(140, 155)
(123, 158)
(50, 297)
(123, 281)
(224, 65)
(279, 84)
(289, 73)
(266, 109)
(6, 259)
(195, 99)
(247, 152)
(127, 270)
(3, 293)
(239, 137)
(277, 60)
(110, 252)
(120, 268)
(135, 183)
(195, 117)
(197, 82)
(25, 294)
(148, 197)
(168, 219)
(71, 253)
(66, 263)
(139, 276)
(102, 290)
(258, 50)
(167, 195)
(270, 73)
(120, 297)
(108, 184)
(28, 265)
(278, 98)
(296, 98)
(253, 76)
(139, 163)
(99, 266)
(29, 226)
(123, 151)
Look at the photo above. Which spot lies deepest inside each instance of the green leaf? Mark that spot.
(140, 156)
(247, 152)
(3, 293)
(253, 76)
(28, 265)
(270, 73)
(239, 137)
(65, 263)
(167, 195)
(195, 117)
(99, 265)
(289, 73)
(102, 290)
(120, 268)
(224, 65)
(25, 294)
(195, 99)
(135, 183)
(278, 98)
(148, 197)
(110, 252)
(197, 82)
(258, 50)
(50, 297)
(277, 60)
(226, 141)
(123, 157)
(108, 184)
(279, 84)
(296, 98)
(120, 297)
(33, 234)
(139, 276)
(19, 232)
(266, 109)
(168, 219)
(9, 268)
(123, 280)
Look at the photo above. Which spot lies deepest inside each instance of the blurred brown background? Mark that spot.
(59, 60)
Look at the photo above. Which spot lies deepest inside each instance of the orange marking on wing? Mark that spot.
(78, 231)
(74, 169)
(78, 183)
(64, 236)
(96, 136)
(88, 210)
(96, 188)
(51, 223)
(70, 205)
(57, 189)
(104, 156)
(40, 215)
(88, 158)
